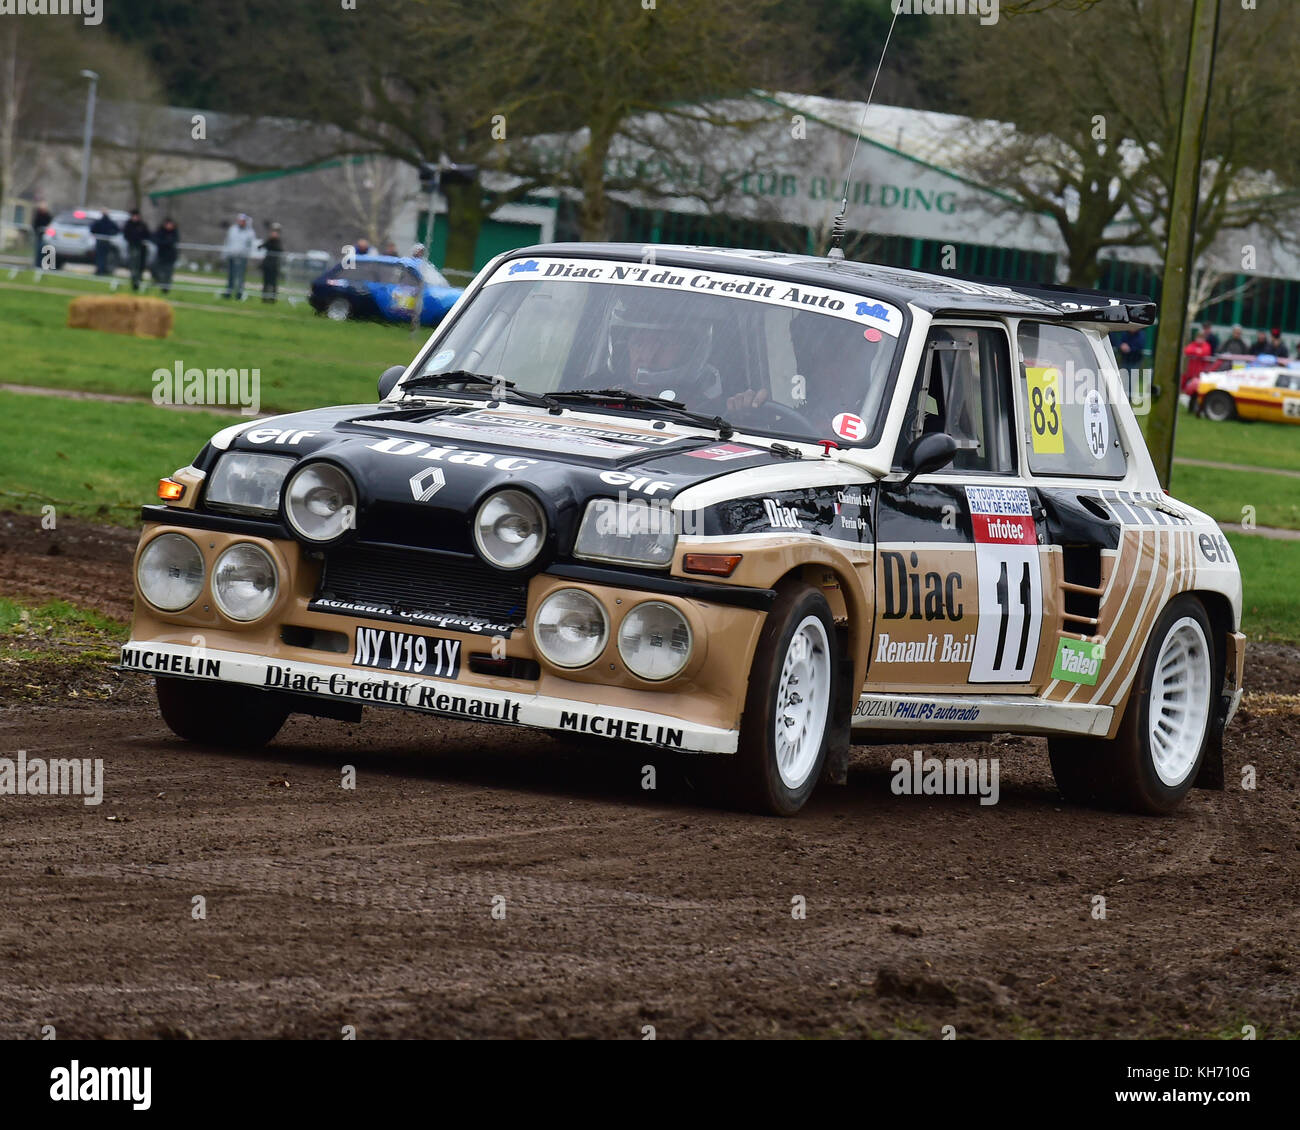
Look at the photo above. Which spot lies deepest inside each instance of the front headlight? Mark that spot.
(244, 582)
(510, 529)
(634, 532)
(247, 482)
(320, 502)
(570, 628)
(170, 572)
(654, 640)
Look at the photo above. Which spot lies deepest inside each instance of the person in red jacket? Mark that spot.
(1198, 353)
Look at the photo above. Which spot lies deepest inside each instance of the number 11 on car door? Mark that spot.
(1010, 582)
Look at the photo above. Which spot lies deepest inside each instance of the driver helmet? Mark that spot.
(662, 345)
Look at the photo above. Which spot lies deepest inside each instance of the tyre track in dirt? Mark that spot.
(373, 907)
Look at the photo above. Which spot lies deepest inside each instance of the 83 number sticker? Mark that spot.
(1045, 410)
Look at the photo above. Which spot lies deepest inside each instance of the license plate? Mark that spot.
(407, 652)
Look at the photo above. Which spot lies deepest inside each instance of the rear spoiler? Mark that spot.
(1079, 305)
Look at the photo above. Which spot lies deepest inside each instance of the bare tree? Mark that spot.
(1093, 98)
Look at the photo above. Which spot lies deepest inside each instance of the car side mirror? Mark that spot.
(388, 378)
(928, 453)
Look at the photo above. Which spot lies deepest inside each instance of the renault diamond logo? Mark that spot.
(425, 484)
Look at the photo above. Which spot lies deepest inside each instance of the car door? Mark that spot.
(960, 562)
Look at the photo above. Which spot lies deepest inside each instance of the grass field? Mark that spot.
(304, 360)
(92, 459)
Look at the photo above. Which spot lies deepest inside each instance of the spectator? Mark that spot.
(41, 219)
(1198, 354)
(363, 246)
(274, 249)
(1129, 351)
(165, 239)
(1211, 338)
(240, 241)
(136, 233)
(103, 229)
(1236, 343)
(390, 247)
(1277, 346)
(1260, 347)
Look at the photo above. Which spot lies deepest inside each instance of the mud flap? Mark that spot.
(835, 771)
(1210, 775)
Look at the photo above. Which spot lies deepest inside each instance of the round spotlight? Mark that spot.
(320, 502)
(655, 640)
(570, 628)
(244, 582)
(170, 572)
(509, 529)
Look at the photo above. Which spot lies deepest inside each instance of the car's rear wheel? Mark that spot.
(338, 310)
(219, 714)
(1152, 763)
(787, 721)
(1219, 406)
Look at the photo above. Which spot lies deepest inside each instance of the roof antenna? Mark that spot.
(836, 251)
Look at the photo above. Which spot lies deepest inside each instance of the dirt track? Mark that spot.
(623, 908)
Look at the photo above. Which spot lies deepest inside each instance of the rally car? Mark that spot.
(383, 287)
(1253, 392)
(750, 506)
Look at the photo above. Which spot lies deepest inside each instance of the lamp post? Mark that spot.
(89, 132)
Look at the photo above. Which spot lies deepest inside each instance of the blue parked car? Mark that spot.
(384, 287)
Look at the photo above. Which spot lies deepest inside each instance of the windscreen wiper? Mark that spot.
(498, 387)
(654, 403)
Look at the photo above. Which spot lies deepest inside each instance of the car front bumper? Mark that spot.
(301, 650)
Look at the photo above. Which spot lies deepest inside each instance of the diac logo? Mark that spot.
(940, 600)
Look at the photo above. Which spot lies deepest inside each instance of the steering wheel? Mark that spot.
(783, 416)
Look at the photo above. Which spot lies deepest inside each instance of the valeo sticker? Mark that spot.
(1078, 661)
(1045, 410)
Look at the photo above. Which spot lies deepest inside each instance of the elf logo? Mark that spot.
(918, 596)
(781, 517)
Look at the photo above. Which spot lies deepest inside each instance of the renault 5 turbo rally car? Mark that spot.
(1253, 392)
(752, 506)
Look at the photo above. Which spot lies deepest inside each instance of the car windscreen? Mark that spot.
(71, 219)
(770, 355)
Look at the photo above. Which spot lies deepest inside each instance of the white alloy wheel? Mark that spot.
(340, 310)
(1179, 709)
(803, 696)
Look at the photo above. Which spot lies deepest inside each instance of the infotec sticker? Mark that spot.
(1001, 516)
(869, 312)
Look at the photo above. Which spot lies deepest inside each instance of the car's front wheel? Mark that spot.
(338, 310)
(219, 714)
(787, 721)
(1219, 407)
(1152, 763)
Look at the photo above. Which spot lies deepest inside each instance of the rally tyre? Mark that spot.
(339, 310)
(787, 722)
(219, 714)
(1219, 407)
(1153, 761)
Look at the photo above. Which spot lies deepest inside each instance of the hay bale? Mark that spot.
(121, 314)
